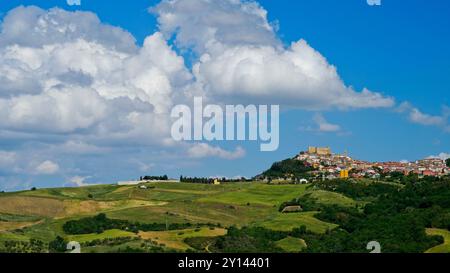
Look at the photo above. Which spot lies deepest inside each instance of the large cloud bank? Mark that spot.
(241, 58)
(71, 84)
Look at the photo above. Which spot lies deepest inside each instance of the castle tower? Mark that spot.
(319, 150)
(312, 150)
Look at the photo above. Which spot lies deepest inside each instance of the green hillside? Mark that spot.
(40, 214)
(172, 216)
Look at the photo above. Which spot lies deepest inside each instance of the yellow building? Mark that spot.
(216, 182)
(344, 174)
(319, 150)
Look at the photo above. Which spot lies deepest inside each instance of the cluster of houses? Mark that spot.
(332, 166)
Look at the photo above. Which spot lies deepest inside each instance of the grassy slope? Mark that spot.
(63, 208)
(9, 236)
(136, 244)
(291, 244)
(79, 193)
(6, 217)
(175, 239)
(332, 198)
(37, 206)
(256, 193)
(9, 226)
(228, 204)
(196, 212)
(108, 234)
(445, 247)
(288, 221)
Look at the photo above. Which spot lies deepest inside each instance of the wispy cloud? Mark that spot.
(416, 116)
(324, 125)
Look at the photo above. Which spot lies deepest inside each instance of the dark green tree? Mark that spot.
(58, 245)
(287, 168)
(448, 162)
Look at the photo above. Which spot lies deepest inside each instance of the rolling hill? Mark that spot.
(172, 217)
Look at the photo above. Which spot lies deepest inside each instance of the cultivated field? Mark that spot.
(174, 239)
(210, 209)
(40, 214)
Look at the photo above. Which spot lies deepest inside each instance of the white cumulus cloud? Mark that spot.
(241, 58)
(202, 150)
(202, 24)
(66, 72)
(47, 167)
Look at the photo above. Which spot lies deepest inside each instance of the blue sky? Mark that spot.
(399, 49)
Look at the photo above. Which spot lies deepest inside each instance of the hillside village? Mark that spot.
(328, 165)
(320, 163)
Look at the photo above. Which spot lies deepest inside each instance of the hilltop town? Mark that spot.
(328, 165)
(320, 163)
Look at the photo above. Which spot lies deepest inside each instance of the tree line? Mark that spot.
(204, 180)
(101, 223)
(154, 178)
